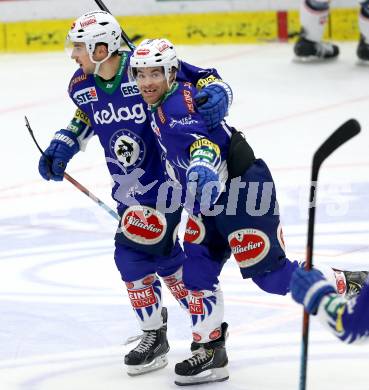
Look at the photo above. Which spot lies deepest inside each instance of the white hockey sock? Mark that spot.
(176, 286)
(206, 310)
(364, 26)
(313, 20)
(145, 297)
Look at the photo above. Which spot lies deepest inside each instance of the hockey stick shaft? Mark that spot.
(344, 133)
(78, 185)
(124, 36)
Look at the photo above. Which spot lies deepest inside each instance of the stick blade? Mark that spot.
(345, 132)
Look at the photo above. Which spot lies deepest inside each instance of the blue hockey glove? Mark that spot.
(202, 174)
(309, 288)
(213, 102)
(62, 148)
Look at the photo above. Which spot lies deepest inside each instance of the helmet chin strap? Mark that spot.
(98, 63)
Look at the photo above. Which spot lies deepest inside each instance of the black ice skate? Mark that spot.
(208, 363)
(354, 282)
(309, 50)
(150, 354)
(363, 49)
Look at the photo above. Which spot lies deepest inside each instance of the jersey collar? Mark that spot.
(173, 88)
(110, 87)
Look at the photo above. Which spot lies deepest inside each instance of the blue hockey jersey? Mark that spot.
(115, 112)
(177, 126)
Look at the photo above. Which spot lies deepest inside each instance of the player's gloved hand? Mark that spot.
(62, 148)
(309, 288)
(213, 102)
(198, 176)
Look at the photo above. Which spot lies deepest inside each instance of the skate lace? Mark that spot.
(147, 341)
(199, 356)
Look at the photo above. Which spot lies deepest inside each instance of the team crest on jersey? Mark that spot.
(143, 225)
(249, 246)
(128, 148)
(195, 230)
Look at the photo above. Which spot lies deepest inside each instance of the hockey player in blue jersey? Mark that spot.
(110, 106)
(347, 319)
(231, 198)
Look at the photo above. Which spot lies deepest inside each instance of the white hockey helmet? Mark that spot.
(96, 27)
(155, 52)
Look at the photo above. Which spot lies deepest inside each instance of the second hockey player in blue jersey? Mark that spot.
(231, 197)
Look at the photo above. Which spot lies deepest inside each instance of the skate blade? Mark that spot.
(156, 364)
(208, 376)
(312, 60)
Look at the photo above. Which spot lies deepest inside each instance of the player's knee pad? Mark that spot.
(145, 297)
(318, 5)
(175, 284)
(207, 310)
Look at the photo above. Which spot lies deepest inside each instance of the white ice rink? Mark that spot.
(64, 312)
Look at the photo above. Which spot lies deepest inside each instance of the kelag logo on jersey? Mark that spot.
(85, 96)
(113, 114)
(129, 89)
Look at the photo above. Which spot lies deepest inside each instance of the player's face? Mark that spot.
(80, 55)
(151, 83)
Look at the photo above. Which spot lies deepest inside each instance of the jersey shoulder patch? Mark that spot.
(78, 80)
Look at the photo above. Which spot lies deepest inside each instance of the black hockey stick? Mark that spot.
(344, 133)
(73, 181)
(124, 36)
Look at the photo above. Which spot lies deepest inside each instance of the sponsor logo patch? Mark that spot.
(195, 230)
(76, 80)
(196, 305)
(148, 280)
(130, 284)
(142, 52)
(215, 334)
(206, 81)
(188, 101)
(169, 280)
(120, 114)
(85, 96)
(162, 46)
(88, 22)
(185, 121)
(129, 89)
(280, 237)
(142, 298)
(178, 290)
(340, 282)
(143, 225)
(249, 246)
(161, 115)
(80, 115)
(196, 337)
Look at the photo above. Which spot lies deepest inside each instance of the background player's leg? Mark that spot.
(313, 18)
